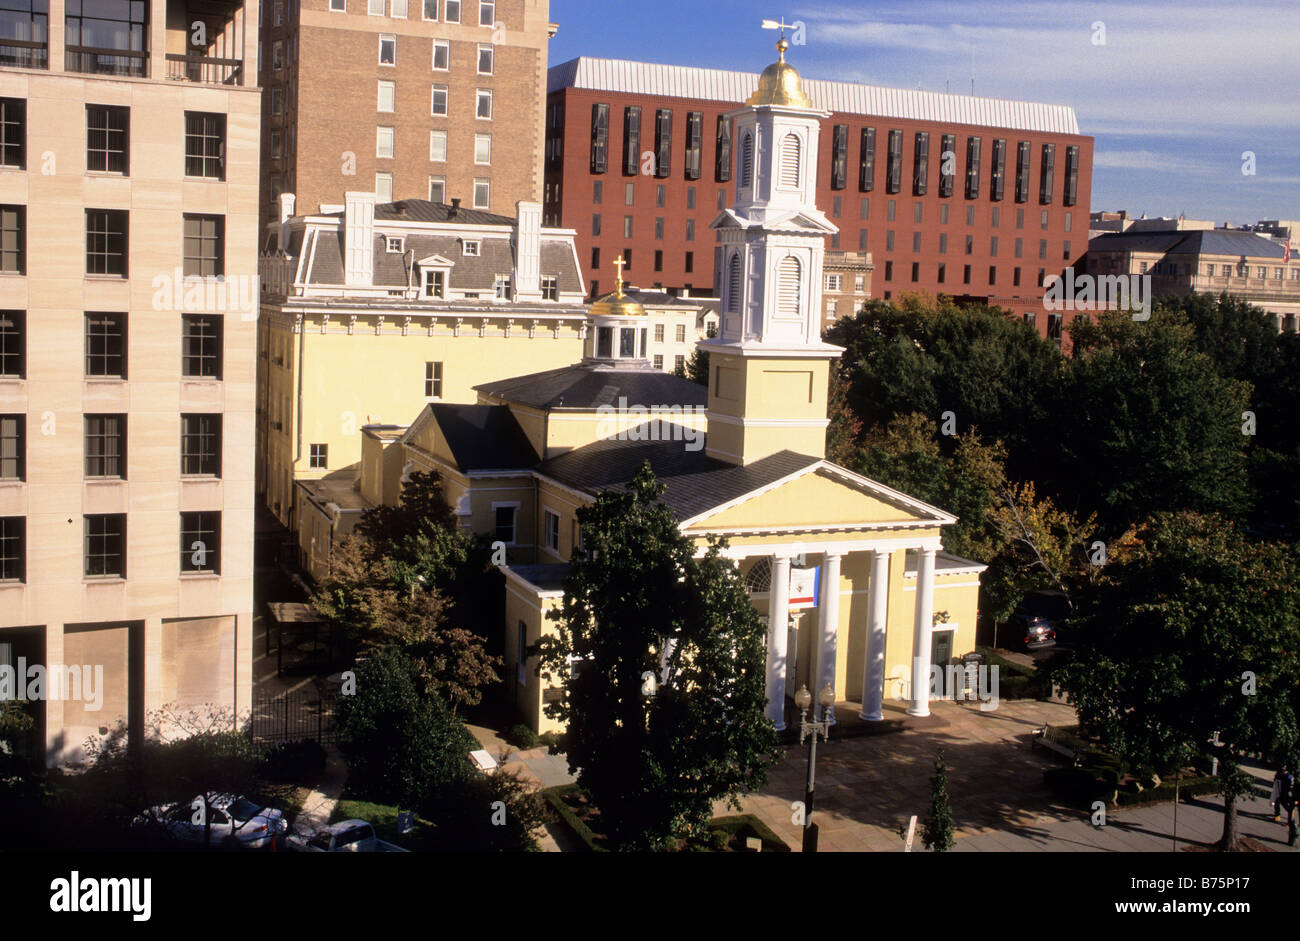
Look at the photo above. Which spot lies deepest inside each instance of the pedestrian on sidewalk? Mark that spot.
(1292, 807)
(1283, 784)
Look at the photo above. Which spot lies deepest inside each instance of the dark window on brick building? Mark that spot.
(1071, 175)
(631, 139)
(972, 167)
(694, 144)
(599, 138)
(867, 161)
(998, 169)
(1046, 174)
(722, 167)
(663, 142)
(894, 174)
(1022, 171)
(921, 163)
(947, 164)
(839, 156)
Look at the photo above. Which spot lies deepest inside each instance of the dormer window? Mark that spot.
(470, 249)
(501, 287)
(394, 244)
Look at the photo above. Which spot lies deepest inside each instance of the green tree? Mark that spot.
(994, 374)
(664, 703)
(1152, 426)
(696, 367)
(401, 746)
(1192, 631)
(1041, 547)
(937, 831)
(407, 576)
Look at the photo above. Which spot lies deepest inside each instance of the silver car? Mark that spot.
(230, 817)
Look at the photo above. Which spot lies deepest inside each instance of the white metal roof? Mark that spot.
(680, 81)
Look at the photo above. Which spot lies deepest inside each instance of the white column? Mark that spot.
(873, 673)
(778, 623)
(922, 632)
(828, 617)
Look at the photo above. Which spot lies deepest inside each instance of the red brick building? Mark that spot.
(640, 160)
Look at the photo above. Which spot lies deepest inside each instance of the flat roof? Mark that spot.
(681, 81)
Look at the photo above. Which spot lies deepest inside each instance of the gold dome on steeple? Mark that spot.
(617, 304)
(779, 84)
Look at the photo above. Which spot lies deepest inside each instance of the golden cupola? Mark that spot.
(618, 303)
(618, 329)
(780, 84)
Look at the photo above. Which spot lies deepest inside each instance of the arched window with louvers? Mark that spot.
(791, 154)
(747, 160)
(733, 285)
(789, 275)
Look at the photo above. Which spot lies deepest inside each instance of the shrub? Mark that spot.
(552, 740)
(293, 762)
(521, 736)
(401, 748)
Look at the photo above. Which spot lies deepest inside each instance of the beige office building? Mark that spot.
(128, 300)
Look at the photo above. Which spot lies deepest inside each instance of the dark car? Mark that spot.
(1034, 623)
(1029, 632)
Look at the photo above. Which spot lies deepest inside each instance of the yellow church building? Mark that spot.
(849, 573)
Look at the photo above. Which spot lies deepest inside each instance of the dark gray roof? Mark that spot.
(548, 577)
(484, 437)
(1193, 242)
(421, 210)
(695, 482)
(588, 387)
(469, 272)
(660, 298)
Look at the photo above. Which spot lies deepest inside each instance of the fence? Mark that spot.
(291, 717)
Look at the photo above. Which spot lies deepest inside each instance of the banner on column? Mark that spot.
(804, 587)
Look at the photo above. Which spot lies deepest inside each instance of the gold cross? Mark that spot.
(619, 262)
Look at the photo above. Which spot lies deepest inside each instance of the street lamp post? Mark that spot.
(810, 730)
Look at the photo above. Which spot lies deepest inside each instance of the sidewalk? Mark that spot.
(320, 803)
(1136, 830)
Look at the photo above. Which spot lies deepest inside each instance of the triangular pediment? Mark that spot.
(822, 497)
(436, 261)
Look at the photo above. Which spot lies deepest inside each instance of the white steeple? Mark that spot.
(773, 237)
(769, 370)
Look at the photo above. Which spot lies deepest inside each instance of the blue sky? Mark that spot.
(1175, 95)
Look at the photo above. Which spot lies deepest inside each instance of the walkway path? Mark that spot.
(320, 803)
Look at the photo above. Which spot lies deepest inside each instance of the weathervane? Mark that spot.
(782, 25)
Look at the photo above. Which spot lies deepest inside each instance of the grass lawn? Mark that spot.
(383, 817)
(727, 834)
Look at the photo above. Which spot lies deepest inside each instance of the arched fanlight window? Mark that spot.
(747, 160)
(759, 577)
(733, 285)
(787, 284)
(791, 150)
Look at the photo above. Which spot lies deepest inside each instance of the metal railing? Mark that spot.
(208, 70)
(293, 717)
(24, 54)
(98, 60)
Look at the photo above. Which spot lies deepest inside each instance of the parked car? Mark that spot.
(1030, 632)
(1035, 621)
(246, 822)
(346, 836)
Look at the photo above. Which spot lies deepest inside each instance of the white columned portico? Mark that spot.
(828, 617)
(873, 672)
(778, 624)
(922, 633)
